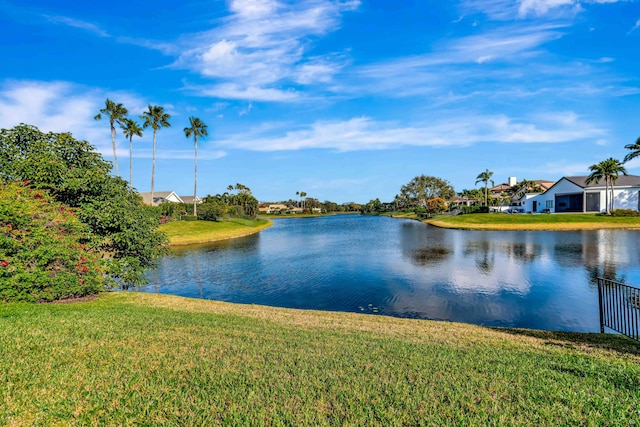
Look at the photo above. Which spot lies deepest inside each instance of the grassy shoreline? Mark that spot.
(548, 222)
(136, 358)
(181, 233)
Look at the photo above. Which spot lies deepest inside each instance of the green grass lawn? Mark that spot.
(144, 359)
(192, 232)
(499, 221)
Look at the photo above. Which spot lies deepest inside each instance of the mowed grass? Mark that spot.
(192, 232)
(144, 359)
(500, 221)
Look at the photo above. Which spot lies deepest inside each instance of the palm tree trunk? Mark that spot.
(113, 144)
(153, 164)
(486, 194)
(131, 161)
(606, 195)
(612, 197)
(195, 176)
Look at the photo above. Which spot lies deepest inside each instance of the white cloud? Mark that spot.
(363, 133)
(68, 107)
(246, 110)
(51, 106)
(249, 93)
(261, 47)
(635, 27)
(541, 7)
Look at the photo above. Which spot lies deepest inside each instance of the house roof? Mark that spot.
(622, 181)
(158, 197)
(189, 199)
(544, 184)
(500, 188)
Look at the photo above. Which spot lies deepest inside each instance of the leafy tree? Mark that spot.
(607, 170)
(116, 113)
(156, 118)
(436, 205)
(44, 250)
(197, 128)
(422, 188)
(130, 128)
(123, 230)
(474, 195)
(485, 177)
(635, 150)
(243, 203)
(525, 186)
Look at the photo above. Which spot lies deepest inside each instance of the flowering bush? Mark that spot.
(123, 230)
(45, 251)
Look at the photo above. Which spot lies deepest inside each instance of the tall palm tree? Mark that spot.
(131, 128)
(156, 118)
(614, 168)
(635, 151)
(485, 177)
(197, 128)
(608, 170)
(302, 196)
(116, 113)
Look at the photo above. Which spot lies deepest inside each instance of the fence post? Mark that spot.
(600, 284)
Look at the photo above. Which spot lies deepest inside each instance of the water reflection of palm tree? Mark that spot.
(523, 252)
(198, 277)
(606, 271)
(484, 255)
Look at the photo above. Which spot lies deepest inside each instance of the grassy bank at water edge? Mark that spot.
(193, 232)
(144, 359)
(499, 221)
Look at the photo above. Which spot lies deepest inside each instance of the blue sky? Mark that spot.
(346, 100)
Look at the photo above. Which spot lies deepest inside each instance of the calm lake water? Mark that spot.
(403, 268)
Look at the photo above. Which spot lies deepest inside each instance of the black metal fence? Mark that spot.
(619, 307)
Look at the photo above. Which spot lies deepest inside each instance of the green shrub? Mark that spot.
(211, 211)
(473, 209)
(45, 251)
(625, 212)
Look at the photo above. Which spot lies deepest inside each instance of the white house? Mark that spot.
(160, 197)
(572, 194)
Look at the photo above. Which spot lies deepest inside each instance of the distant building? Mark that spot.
(189, 200)
(160, 197)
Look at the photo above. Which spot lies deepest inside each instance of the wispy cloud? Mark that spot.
(635, 27)
(453, 62)
(510, 9)
(76, 23)
(364, 133)
(261, 48)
